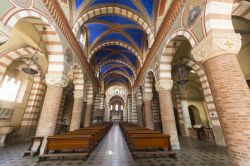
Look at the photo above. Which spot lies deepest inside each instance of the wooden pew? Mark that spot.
(82, 143)
(143, 142)
(77, 143)
(96, 135)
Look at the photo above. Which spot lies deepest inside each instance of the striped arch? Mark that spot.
(78, 80)
(115, 84)
(114, 10)
(118, 73)
(165, 61)
(11, 56)
(113, 67)
(51, 39)
(241, 9)
(206, 90)
(34, 106)
(121, 81)
(118, 43)
(115, 61)
(218, 16)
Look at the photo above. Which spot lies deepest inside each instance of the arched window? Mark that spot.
(9, 89)
(116, 107)
(121, 107)
(111, 107)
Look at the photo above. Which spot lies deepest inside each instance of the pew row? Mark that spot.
(78, 143)
(143, 142)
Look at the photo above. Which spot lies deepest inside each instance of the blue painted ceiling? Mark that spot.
(111, 27)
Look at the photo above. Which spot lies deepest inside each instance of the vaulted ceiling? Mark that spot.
(116, 42)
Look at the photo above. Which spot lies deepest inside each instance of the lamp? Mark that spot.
(28, 70)
(179, 79)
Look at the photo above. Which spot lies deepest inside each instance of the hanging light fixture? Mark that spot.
(28, 70)
(179, 78)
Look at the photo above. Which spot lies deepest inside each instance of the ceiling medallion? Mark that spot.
(22, 3)
(192, 12)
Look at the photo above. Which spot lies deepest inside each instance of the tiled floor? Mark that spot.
(113, 151)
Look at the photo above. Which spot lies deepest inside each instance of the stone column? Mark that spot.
(49, 115)
(134, 111)
(167, 112)
(129, 108)
(88, 114)
(77, 111)
(184, 107)
(230, 91)
(147, 100)
(139, 113)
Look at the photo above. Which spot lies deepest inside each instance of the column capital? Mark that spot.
(216, 44)
(147, 96)
(56, 80)
(164, 85)
(78, 95)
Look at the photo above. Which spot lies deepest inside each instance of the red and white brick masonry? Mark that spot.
(90, 105)
(78, 80)
(54, 49)
(165, 61)
(33, 108)
(167, 112)
(208, 98)
(242, 9)
(218, 16)
(229, 90)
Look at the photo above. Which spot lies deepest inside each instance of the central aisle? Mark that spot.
(113, 150)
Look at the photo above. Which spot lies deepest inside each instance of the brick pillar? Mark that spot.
(51, 106)
(184, 107)
(167, 112)
(88, 114)
(77, 111)
(147, 100)
(49, 114)
(229, 90)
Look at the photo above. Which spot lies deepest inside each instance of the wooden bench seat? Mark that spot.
(143, 142)
(149, 141)
(96, 135)
(72, 142)
(79, 142)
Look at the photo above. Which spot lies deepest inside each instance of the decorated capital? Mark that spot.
(78, 95)
(216, 44)
(147, 96)
(164, 85)
(56, 80)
